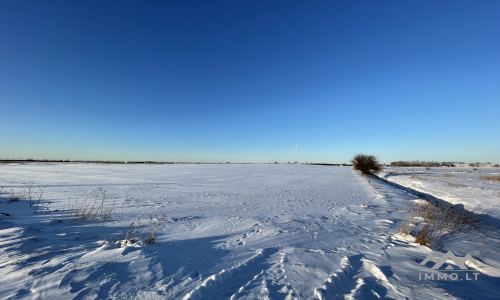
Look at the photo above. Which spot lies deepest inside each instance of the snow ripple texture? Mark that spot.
(229, 232)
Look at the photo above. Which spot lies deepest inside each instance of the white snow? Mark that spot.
(229, 232)
(454, 185)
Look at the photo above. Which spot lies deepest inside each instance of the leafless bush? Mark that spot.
(367, 164)
(39, 196)
(32, 194)
(490, 178)
(438, 223)
(28, 190)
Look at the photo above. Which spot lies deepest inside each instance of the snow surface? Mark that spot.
(454, 185)
(229, 232)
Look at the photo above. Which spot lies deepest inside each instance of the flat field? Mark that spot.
(227, 232)
(475, 188)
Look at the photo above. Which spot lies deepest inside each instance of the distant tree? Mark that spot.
(367, 164)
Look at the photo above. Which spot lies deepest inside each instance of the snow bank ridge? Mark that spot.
(359, 278)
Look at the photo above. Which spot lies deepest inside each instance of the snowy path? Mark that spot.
(231, 232)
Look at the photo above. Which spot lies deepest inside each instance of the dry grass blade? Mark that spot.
(131, 237)
(28, 190)
(14, 197)
(86, 209)
(438, 223)
(490, 178)
(150, 239)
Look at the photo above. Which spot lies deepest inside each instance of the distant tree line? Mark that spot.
(418, 163)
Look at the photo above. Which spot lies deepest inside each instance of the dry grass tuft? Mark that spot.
(490, 178)
(131, 236)
(414, 177)
(99, 208)
(150, 238)
(14, 197)
(433, 224)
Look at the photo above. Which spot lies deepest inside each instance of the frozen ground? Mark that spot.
(229, 232)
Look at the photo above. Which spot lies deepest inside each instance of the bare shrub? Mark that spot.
(490, 178)
(28, 190)
(366, 164)
(38, 206)
(32, 194)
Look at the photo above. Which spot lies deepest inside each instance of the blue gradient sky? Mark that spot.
(245, 81)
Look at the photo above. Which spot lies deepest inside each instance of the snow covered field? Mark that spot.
(454, 185)
(229, 232)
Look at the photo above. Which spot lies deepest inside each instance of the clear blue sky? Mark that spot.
(245, 81)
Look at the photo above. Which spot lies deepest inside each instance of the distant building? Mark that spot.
(461, 165)
(486, 165)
